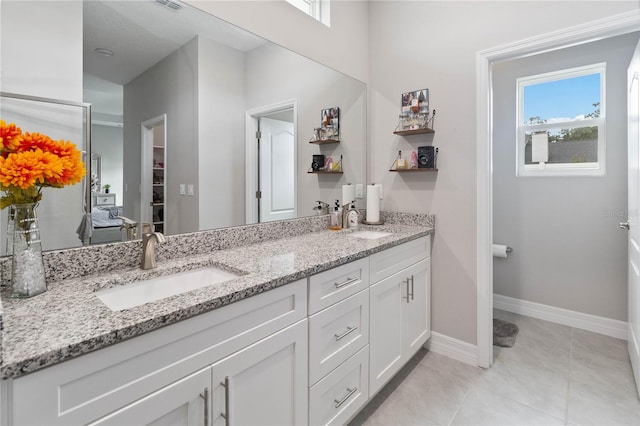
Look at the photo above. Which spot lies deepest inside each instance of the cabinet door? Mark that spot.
(181, 403)
(416, 324)
(385, 331)
(265, 383)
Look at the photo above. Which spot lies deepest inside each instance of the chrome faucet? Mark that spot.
(321, 208)
(149, 241)
(130, 225)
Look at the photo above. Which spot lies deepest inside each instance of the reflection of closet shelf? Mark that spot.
(413, 170)
(325, 141)
(414, 132)
(158, 168)
(322, 172)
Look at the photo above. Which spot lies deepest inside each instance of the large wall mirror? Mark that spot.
(177, 98)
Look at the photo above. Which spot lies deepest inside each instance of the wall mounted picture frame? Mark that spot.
(416, 102)
(330, 119)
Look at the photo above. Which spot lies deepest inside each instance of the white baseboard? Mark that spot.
(601, 325)
(453, 348)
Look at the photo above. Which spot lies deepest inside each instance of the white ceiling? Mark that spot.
(141, 33)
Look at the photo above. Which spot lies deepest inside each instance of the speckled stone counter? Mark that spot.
(69, 320)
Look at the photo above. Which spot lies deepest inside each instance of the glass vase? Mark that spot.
(27, 265)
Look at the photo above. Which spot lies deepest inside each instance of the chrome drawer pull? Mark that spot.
(205, 396)
(411, 287)
(347, 396)
(349, 331)
(347, 282)
(226, 415)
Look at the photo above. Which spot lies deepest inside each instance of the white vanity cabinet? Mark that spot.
(338, 343)
(314, 351)
(265, 383)
(399, 308)
(157, 377)
(185, 402)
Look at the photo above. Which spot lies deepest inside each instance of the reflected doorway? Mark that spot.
(271, 163)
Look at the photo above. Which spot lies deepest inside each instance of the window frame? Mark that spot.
(320, 10)
(561, 169)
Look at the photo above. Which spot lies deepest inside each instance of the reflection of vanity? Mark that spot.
(99, 199)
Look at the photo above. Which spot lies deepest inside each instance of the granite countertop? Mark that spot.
(69, 320)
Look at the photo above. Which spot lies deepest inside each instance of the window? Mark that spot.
(561, 122)
(318, 9)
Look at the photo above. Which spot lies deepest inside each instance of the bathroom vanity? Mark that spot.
(343, 313)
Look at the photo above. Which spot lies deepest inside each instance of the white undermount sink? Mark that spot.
(141, 292)
(370, 235)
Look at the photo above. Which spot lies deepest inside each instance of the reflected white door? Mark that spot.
(633, 224)
(277, 170)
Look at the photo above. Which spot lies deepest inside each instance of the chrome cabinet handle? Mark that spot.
(226, 416)
(347, 396)
(624, 225)
(205, 396)
(411, 287)
(349, 331)
(347, 282)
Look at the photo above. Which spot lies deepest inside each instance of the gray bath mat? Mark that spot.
(504, 333)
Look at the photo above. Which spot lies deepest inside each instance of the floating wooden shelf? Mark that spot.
(322, 142)
(414, 132)
(413, 170)
(322, 172)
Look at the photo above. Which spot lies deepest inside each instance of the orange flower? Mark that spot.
(29, 168)
(31, 161)
(10, 136)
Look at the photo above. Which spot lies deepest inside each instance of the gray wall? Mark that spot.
(221, 135)
(568, 250)
(108, 143)
(315, 87)
(54, 42)
(169, 87)
(439, 52)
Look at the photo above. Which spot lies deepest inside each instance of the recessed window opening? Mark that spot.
(561, 122)
(317, 9)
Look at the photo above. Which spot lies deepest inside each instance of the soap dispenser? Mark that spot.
(336, 218)
(352, 217)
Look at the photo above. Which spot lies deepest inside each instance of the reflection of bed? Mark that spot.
(106, 226)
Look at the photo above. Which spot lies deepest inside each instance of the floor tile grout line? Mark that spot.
(455, 413)
(566, 409)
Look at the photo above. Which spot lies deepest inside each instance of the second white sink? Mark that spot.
(141, 292)
(370, 235)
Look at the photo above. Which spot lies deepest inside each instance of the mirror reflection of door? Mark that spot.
(277, 167)
(153, 173)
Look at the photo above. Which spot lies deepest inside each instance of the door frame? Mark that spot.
(596, 30)
(146, 137)
(251, 154)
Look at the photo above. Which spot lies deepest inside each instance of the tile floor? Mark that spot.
(553, 375)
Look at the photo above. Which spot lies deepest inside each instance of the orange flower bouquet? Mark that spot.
(32, 161)
(28, 163)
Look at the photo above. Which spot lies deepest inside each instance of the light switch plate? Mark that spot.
(183, 189)
(190, 189)
(359, 190)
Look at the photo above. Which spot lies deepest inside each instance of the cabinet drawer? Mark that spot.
(388, 262)
(337, 397)
(329, 287)
(336, 333)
